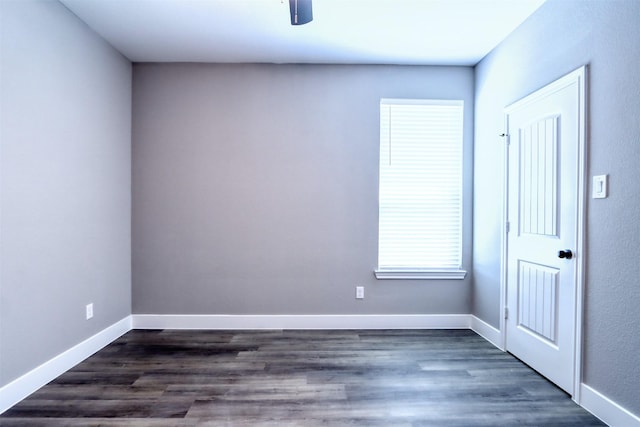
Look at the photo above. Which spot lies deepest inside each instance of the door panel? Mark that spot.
(537, 300)
(543, 197)
(539, 177)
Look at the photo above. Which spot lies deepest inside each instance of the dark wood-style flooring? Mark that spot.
(385, 378)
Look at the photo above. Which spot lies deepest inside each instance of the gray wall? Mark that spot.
(65, 186)
(561, 36)
(255, 189)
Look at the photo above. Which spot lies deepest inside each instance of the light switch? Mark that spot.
(600, 187)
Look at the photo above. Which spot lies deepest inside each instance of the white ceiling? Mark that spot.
(444, 32)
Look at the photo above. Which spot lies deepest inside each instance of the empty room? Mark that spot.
(319, 212)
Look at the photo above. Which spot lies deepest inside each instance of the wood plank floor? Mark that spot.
(385, 378)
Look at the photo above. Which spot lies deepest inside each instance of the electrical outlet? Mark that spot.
(359, 292)
(89, 311)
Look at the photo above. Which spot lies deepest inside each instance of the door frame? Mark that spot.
(578, 76)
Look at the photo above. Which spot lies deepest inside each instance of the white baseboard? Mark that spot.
(417, 321)
(486, 331)
(22, 387)
(606, 409)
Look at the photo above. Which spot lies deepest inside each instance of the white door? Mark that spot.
(545, 191)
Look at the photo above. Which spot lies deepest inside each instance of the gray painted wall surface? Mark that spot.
(65, 184)
(255, 189)
(561, 36)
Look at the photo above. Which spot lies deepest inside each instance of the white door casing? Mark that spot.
(544, 215)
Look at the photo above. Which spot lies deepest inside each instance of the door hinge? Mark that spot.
(506, 313)
(506, 138)
(507, 226)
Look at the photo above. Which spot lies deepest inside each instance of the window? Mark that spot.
(420, 194)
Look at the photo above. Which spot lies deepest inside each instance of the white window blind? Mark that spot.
(420, 200)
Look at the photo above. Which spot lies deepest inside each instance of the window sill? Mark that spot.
(412, 274)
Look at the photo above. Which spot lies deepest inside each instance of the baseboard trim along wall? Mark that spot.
(486, 331)
(30, 382)
(338, 321)
(606, 409)
(12, 393)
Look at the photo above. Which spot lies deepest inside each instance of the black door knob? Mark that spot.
(567, 254)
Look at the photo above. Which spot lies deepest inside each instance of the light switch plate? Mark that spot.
(600, 183)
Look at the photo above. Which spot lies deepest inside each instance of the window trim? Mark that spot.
(413, 274)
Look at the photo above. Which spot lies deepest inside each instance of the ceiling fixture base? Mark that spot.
(301, 12)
